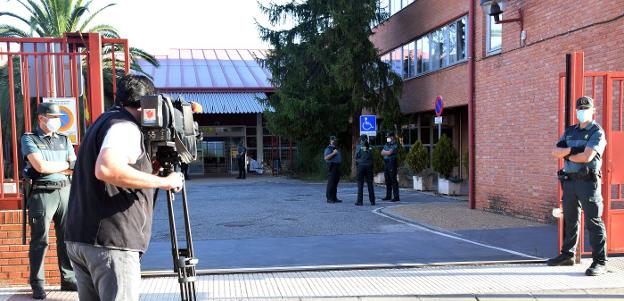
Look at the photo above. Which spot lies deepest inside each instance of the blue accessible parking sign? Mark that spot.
(368, 125)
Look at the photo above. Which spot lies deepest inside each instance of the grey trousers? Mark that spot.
(584, 194)
(43, 207)
(105, 274)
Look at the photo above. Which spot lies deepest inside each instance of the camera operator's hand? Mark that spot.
(173, 181)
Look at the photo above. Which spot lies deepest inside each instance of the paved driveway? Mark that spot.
(272, 222)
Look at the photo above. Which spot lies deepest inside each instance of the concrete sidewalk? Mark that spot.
(470, 282)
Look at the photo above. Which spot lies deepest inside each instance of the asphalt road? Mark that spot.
(273, 222)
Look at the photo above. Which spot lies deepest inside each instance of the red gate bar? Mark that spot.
(48, 59)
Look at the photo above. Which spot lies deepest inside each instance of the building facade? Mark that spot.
(230, 85)
(500, 84)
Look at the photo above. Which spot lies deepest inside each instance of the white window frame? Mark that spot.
(488, 37)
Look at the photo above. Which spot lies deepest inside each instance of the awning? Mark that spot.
(227, 103)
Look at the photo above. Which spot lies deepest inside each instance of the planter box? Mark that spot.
(447, 187)
(379, 178)
(422, 183)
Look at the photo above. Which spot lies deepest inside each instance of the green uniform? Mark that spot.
(582, 189)
(47, 202)
(390, 172)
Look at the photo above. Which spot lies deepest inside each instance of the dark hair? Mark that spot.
(130, 89)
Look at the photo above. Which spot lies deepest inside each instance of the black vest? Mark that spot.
(99, 213)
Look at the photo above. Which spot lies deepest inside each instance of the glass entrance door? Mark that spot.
(214, 156)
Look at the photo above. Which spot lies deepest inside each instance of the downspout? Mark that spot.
(471, 99)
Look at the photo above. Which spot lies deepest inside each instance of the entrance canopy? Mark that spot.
(213, 70)
(226, 103)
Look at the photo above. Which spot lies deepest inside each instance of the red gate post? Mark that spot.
(96, 89)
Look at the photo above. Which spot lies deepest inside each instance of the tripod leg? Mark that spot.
(175, 250)
(189, 271)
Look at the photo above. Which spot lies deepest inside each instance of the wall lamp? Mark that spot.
(495, 8)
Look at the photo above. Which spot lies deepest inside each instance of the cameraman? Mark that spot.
(110, 206)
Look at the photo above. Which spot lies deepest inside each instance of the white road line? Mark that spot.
(378, 212)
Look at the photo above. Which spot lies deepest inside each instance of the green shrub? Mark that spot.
(444, 157)
(378, 165)
(417, 159)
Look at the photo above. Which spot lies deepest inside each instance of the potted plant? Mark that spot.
(418, 161)
(444, 159)
(378, 166)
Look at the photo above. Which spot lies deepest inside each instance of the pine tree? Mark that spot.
(326, 70)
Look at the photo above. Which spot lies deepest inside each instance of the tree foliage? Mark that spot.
(53, 18)
(326, 70)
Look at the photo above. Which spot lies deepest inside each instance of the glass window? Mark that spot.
(408, 59)
(396, 56)
(426, 54)
(436, 45)
(437, 49)
(411, 70)
(383, 6)
(444, 46)
(494, 36)
(419, 56)
(395, 6)
(451, 45)
(462, 33)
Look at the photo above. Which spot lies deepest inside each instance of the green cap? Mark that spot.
(584, 103)
(49, 108)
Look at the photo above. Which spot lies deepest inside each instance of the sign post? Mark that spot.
(368, 125)
(69, 123)
(439, 106)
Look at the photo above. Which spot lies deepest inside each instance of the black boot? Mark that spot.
(562, 259)
(38, 292)
(596, 269)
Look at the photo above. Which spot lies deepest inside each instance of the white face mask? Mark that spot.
(389, 139)
(584, 115)
(53, 124)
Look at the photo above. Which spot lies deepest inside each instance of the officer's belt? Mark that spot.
(564, 176)
(50, 185)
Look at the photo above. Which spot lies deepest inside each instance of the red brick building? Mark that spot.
(504, 75)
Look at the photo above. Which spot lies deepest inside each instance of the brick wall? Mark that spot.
(14, 269)
(516, 94)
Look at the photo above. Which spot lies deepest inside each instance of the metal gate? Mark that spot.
(77, 67)
(607, 90)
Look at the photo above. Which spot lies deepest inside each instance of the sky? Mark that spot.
(158, 25)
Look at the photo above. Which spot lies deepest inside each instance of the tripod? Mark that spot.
(184, 260)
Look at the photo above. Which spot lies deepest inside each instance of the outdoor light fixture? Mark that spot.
(495, 8)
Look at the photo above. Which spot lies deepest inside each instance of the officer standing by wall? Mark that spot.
(581, 147)
(390, 152)
(240, 157)
(50, 157)
(364, 164)
(332, 159)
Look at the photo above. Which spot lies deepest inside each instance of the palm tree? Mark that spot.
(53, 18)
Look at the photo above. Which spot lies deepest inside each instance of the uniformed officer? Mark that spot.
(390, 152)
(240, 157)
(333, 160)
(50, 157)
(364, 164)
(581, 147)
